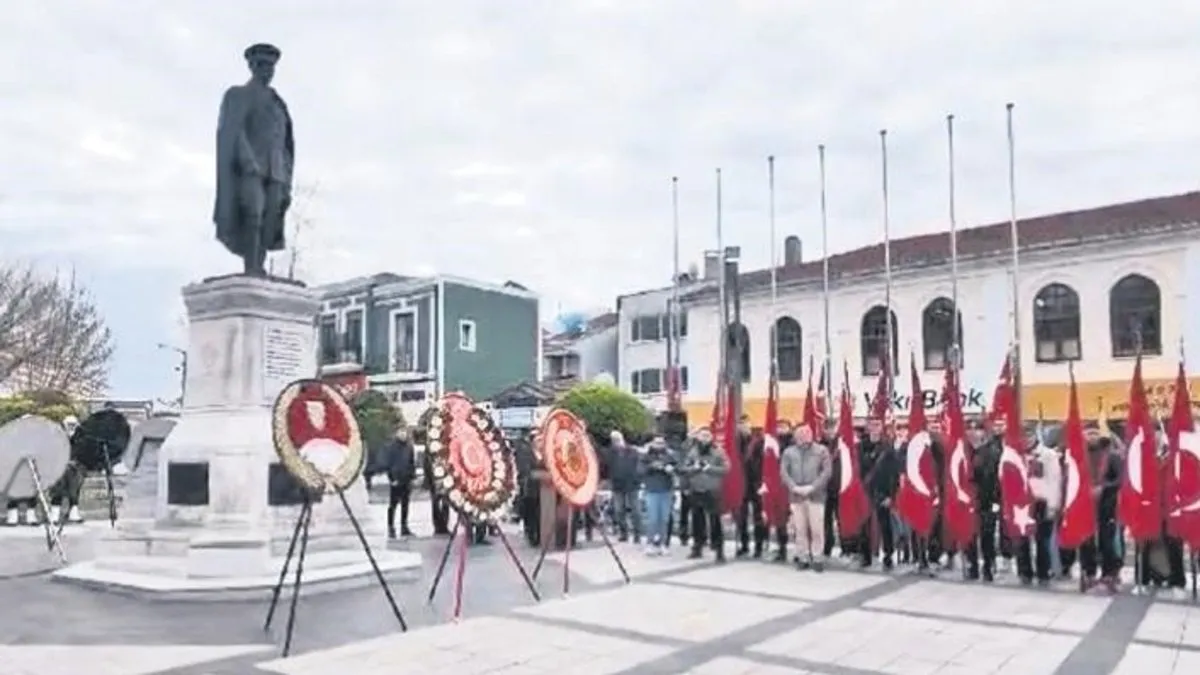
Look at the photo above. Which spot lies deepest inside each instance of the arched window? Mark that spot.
(1056, 323)
(739, 349)
(786, 335)
(874, 340)
(938, 333)
(1135, 316)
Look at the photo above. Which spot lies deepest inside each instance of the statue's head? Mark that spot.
(261, 59)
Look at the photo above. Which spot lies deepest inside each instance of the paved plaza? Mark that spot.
(677, 616)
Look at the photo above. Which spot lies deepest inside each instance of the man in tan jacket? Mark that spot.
(805, 469)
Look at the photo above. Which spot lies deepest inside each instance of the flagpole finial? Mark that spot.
(674, 179)
(883, 133)
(1009, 106)
(771, 158)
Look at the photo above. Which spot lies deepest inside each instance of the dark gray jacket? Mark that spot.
(658, 469)
(623, 468)
(705, 469)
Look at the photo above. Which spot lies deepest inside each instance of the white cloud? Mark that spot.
(449, 135)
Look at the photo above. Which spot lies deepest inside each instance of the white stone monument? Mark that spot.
(223, 518)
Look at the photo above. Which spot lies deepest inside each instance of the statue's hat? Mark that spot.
(262, 49)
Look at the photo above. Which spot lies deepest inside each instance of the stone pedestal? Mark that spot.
(225, 508)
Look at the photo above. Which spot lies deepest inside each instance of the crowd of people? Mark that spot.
(647, 482)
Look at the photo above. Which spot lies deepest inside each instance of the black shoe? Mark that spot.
(741, 552)
(1026, 581)
(972, 575)
(623, 538)
(779, 557)
(864, 564)
(405, 532)
(988, 576)
(391, 533)
(720, 557)
(695, 554)
(758, 553)
(801, 564)
(887, 564)
(818, 565)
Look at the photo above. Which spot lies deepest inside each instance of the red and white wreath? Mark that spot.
(470, 458)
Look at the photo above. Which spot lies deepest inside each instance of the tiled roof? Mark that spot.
(594, 325)
(1160, 214)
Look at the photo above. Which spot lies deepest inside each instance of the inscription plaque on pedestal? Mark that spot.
(284, 352)
(187, 483)
(283, 489)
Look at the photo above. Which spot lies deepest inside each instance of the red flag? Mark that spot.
(1015, 494)
(853, 505)
(881, 402)
(915, 497)
(1004, 396)
(1139, 504)
(774, 496)
(733, 488)
(674, 395)
(810, 419)
(1183, 463)
(1078, 523)
(960, 519)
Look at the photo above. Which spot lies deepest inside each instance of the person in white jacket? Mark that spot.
(1046, 486)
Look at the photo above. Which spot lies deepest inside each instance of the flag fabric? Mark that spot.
(1016, 497)
(1183, 463)
(1078, 524)
(881, 402)
(733, 487)
(853, 506)
(959, 520)
(674, 395)
(1004, 395)
(821, 404)
(810, 418)
(1139, 503)
(916, 496)
(774, 496)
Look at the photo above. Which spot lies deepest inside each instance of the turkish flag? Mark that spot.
(733, 487)
(1183, 464)
(774, 496)
(1015, 496)
(1078, 523)
(959, 521)
(915, 498)
(1139, 504)
(853, 506)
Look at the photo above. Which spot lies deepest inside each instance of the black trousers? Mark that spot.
(831, 509)
(751, 514)
(399, 494)
(1099, 555)
(1176, 576)
(1035, 562)
(706, 522)
(439, 508)
(880, 523)
(531, 517)
(984, 543)
(685, 517)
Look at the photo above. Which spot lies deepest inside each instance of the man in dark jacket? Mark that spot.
(623, 464)
(1100, 556)
(880, 467)
(400, 465)
(751, 512)
(528, 490)
(985, 475)
(705, 468)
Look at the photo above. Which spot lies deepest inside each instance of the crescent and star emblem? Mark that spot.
(1189, 442)
(1021, 516)
(1133, 460)
(957, 459)
(918, 445)
(844, 456)
(1072, 481)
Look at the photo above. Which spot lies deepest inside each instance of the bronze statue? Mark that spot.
(255, 155)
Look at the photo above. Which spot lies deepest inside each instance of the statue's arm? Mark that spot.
(233, 148)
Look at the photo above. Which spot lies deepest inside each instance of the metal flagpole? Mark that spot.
(723, 310)
(1016, 268)
(673, 320)
(774, 265)
(825, 265)
(956, 347)
(887, 256)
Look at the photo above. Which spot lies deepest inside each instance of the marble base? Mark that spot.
(175, 578)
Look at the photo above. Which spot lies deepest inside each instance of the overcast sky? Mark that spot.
(535, 140)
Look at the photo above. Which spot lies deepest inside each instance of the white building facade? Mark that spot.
(1092, 287)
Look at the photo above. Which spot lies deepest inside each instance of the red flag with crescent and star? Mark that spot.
(959, 520)
(774, 496)
(1016, 498)
(1078, 524)
(1183, 466)
(1139, 504)
(916, 498)
(853, 506)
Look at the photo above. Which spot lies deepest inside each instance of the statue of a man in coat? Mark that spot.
(255, 156)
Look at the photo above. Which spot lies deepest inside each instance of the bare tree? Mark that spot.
(298, 222)
(52, 336)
